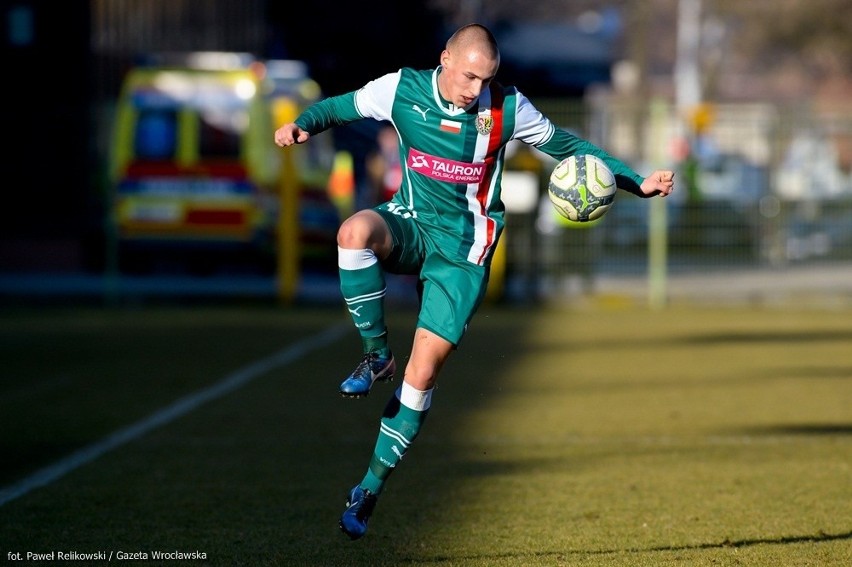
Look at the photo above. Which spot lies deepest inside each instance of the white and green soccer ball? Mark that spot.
(582, 188)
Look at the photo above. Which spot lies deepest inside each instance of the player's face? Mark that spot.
(466, 73)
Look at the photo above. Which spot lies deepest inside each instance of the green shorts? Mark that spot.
(453, 288)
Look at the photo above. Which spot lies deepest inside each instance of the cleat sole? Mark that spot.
(354, 396)
(365, 394)
(350, 536)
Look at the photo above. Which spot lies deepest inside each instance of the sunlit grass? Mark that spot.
(560, 436)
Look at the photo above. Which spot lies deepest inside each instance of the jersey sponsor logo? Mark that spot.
(420, 110)
(445, 169)
(450, 126)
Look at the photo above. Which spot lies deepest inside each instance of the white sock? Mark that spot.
(411, 397)
(349, 259)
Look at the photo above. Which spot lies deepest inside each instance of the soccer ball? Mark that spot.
(582, 188)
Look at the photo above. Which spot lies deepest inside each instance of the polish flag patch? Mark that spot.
(450, 126)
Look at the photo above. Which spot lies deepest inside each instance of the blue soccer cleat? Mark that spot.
(359, 507)
(372, 368)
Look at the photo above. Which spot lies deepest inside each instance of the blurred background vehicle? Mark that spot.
(197, 185)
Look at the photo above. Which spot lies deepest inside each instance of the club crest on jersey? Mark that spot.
(484, 124)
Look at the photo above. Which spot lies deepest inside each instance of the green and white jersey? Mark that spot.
(453, 157)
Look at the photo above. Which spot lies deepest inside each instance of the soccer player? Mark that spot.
(443, 224)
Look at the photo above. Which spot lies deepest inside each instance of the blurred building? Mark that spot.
(47, 129)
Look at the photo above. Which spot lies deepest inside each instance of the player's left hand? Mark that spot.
(660, 183)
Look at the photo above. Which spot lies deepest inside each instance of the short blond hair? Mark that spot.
(474, 36)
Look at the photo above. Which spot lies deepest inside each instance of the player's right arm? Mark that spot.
(320, 116)
(373, 100)
(290, 134)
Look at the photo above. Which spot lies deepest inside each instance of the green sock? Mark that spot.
(362, 284)
(376, 344)
(399, 427)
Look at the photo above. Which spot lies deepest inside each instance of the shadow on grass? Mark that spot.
(812, 372)
(727, 543)
(800, 429)
(753, 337)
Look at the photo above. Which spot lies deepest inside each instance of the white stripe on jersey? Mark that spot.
(480, 218)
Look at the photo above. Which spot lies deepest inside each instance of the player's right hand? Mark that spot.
(290, 134)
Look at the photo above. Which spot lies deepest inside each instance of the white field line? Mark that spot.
(168, 414)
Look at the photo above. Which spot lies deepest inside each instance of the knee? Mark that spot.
(354, 233)
(421, 376)
(365, 229)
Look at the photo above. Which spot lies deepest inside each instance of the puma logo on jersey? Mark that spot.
(356, 311)
(420, 110)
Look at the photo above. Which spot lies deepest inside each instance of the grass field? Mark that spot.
(585, 435)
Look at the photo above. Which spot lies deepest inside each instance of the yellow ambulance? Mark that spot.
(196, 179)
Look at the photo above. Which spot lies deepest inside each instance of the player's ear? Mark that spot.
(445, 58)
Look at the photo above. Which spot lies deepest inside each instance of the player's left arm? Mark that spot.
(532, 127)
(564, 144)
(661, 183)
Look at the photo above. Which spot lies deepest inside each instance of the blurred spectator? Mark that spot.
(383, 166)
